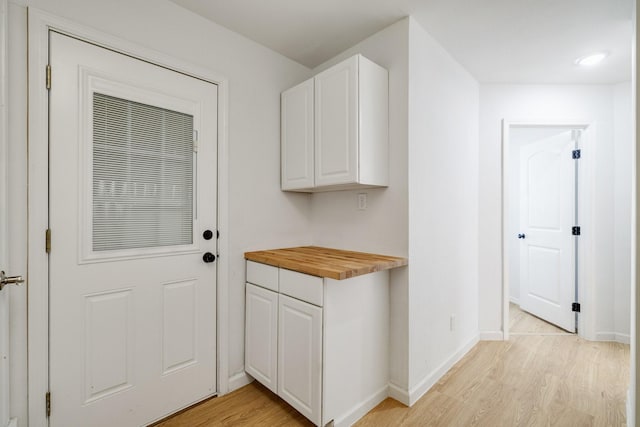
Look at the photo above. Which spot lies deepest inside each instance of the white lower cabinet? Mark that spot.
(320, 344)
(261, 336)
(300, 356)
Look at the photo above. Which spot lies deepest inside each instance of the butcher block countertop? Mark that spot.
(324, 262)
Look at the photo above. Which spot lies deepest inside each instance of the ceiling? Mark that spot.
(497, 41)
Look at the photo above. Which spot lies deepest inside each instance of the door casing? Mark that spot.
(40, 23)
(4, 211)
(586, 319)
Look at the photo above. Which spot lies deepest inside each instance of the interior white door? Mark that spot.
(132, 190)
(547, 253)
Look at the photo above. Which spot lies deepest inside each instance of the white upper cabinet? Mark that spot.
(349, 122)
(296, 140)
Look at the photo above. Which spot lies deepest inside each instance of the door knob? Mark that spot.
(208, 257)
(521, 236)
(9, 280)
(207, 235)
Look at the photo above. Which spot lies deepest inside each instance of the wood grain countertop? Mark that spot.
(325, 262)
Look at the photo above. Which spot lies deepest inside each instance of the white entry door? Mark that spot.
(132, 274)
(547, 252)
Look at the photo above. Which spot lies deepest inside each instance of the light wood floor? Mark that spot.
(523, 322)
(552, 380)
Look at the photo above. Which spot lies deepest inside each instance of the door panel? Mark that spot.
(300, 356)
(261, 341)
(336, 124)
(132, 304)
(297, 136)
(547, 200)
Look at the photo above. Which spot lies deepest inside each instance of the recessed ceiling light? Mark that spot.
(591, 60)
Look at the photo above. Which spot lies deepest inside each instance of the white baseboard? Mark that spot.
(514, 300)
(623, 338)
(491, 336)
(13, 422)
(399, 394)
(361, 409)
(613, 336)
(239, 380)
(427, 382)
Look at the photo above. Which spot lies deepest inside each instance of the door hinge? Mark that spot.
(47, 240)
(575, 307)
(575, 154)
(48, 78)
(47, 398)
(575, 230)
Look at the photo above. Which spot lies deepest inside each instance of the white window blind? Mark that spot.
(143, 165)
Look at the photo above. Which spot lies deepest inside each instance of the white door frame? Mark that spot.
(5, 387)
(586, 319)
(38, 293)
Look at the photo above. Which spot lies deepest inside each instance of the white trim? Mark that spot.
(543, 334)
(5, 382)
(239, 380)
(432, 378)
(39, 24)
(399, 394)
(492, 336)
(514, 300)
(612, 337)
(586, 320)
(362, 408)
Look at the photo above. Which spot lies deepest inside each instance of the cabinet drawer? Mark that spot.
(301, 286)
(262, 275)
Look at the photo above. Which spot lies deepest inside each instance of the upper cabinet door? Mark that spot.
(336, 125)
(297, 137)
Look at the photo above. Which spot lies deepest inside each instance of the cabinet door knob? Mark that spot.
(208, 257)
(521, 236)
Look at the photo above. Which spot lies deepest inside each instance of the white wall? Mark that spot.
(261, 216)
(552, 103)
(383, 226)
(429, 211)
(443, 209)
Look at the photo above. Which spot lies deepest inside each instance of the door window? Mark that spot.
(143, 173)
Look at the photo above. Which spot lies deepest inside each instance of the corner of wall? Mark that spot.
(433, 377)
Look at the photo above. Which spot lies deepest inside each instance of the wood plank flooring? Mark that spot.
(522, 322)
(551, 380)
